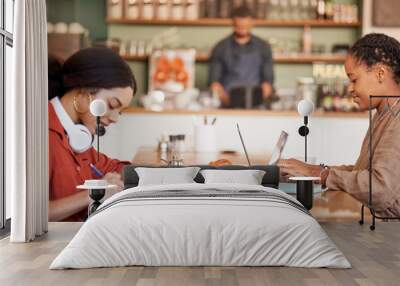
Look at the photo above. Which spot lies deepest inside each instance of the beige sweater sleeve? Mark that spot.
(385, 171)
(343, 167)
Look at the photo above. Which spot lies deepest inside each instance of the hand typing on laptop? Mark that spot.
(293, 167)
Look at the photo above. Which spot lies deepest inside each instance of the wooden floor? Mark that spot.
(375, 257)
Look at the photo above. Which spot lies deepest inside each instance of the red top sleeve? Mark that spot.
(106, 164)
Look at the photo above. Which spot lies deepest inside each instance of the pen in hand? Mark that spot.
(97, 172)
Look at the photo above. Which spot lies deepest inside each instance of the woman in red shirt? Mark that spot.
(94, 73)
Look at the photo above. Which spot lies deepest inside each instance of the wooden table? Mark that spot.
(328, 206)
(147, 155)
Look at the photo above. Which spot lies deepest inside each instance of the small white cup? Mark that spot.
(205, 138)
(76, 28)
(60, 28)
(50, 27)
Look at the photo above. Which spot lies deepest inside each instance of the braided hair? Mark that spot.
(377, 48)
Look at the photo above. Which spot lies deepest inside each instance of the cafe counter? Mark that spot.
(335, 137)
(245, 112)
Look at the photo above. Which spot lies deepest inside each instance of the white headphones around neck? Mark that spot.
(80, 138)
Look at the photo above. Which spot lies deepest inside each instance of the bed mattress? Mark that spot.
(201, 225)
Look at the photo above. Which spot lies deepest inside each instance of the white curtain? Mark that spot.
(27, 135)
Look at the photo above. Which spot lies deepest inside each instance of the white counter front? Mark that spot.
(334, 138)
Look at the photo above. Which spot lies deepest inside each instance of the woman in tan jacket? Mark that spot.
(373, 67)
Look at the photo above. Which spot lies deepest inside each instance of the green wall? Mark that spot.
(90, 13)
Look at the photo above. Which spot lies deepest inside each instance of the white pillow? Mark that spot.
(248, 177)
(165, 176)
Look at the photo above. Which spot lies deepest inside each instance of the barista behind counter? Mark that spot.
(242, 64)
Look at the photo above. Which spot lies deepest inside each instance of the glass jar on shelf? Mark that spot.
(148, 9)
(149, 48)
(202, 9)
(303, 9)
(132, 48)
(321, 9)
(141, 48)
(312, 9)
(329, 10)
(132, 9)
(163, 10)
(284, 10)
(211, 8)
(192, 9)
(294, 10)
(114, 9)
(274, 10)
(177, 10)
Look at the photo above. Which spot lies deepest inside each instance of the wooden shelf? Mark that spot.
(243, 112)
(228, 22)
(295, 59)
(300, 59)
(136, 58)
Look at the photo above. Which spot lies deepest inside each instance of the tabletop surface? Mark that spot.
(327, 206)
(148, 155)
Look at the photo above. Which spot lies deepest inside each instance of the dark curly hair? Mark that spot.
(89, 68)
(242, 12)
(377, 48)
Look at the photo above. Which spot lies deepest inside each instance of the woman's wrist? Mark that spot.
(315, 171)
(324, 174)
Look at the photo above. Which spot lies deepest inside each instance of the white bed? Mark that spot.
(255, 226)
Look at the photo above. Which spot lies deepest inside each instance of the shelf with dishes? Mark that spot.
(228, 22)
(289, 59)
(218, 13)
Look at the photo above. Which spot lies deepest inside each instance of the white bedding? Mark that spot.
(200, 231)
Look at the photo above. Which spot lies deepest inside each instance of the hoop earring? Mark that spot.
(76, 104)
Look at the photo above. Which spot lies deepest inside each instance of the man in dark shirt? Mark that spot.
(241, 60)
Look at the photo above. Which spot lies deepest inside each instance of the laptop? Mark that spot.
(278, 149)
(276, 152)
